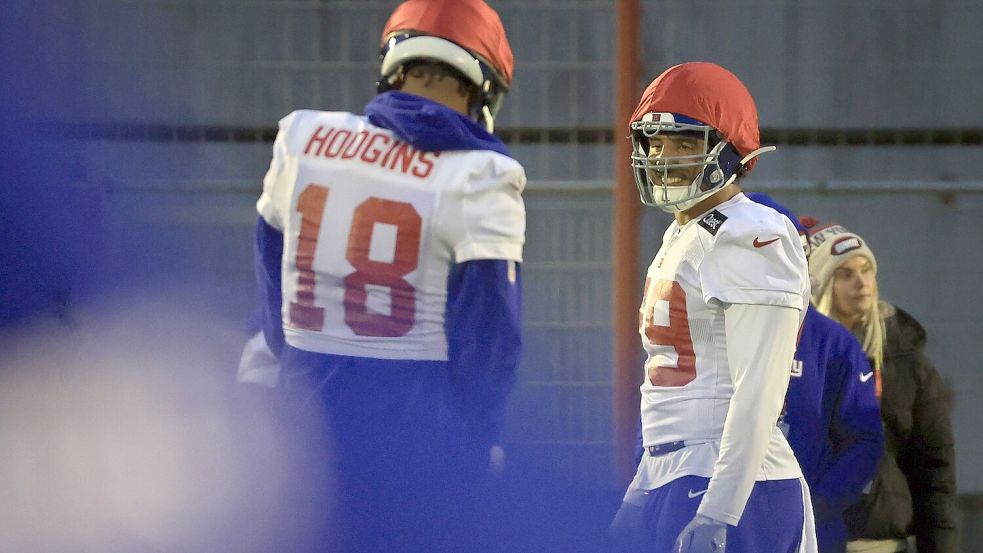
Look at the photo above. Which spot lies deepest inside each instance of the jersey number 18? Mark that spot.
(362, 321)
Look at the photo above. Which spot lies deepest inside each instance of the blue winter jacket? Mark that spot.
(833, 422)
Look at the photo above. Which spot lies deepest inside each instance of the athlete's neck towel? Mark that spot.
(428, 125)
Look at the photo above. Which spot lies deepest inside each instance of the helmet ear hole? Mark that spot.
(722, 171)
(728, 162)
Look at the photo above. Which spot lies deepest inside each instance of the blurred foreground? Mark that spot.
(121, 431)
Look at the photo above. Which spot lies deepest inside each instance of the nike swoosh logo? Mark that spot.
(864, 377)
(759, 244)
(693, 494)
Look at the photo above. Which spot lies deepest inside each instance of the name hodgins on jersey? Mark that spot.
(370, 147)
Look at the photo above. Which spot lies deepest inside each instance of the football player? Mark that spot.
(831, 420)
(723, 301)
(388, 248)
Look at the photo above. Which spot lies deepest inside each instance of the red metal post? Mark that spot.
(627, 215)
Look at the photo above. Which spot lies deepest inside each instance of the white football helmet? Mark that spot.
(399, 50)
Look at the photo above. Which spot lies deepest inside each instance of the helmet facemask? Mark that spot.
(405, 48)
(719, 162)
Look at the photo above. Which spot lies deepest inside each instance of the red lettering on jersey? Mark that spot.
(385, 160)
(402, 296)
(427, 163)
(303, 312)
(404, 156)
(319, 139)
(368, 147)
(676, 335)
(342, 137)
(353, 149)
(370, 154)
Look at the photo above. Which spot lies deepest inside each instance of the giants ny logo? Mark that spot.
(846, 244)
(796, 368)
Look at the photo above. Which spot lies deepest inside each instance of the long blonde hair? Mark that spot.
(871, 332)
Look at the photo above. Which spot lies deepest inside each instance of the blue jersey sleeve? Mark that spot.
(483, 324)
(268, 255)
(855, 429)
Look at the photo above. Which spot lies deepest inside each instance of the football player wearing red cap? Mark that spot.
(722, 303)
(388, 251)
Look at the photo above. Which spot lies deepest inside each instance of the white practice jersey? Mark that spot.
(738, 253)
(371, 227)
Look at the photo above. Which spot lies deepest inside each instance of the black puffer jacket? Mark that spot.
(914, 491)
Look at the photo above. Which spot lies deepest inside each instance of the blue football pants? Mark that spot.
(771, 523)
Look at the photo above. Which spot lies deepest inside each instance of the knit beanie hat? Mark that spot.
(830, 246)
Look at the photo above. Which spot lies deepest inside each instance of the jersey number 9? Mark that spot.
(675, 335)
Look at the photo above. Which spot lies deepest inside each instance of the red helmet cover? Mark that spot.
(472, 24)
(710, 94)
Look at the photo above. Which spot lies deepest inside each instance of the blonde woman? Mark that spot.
(914, 491)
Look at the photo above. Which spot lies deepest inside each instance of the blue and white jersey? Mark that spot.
(738, 253)
(390, 244)
(371, 227)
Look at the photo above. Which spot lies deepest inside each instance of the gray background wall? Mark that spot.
(179, 206)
